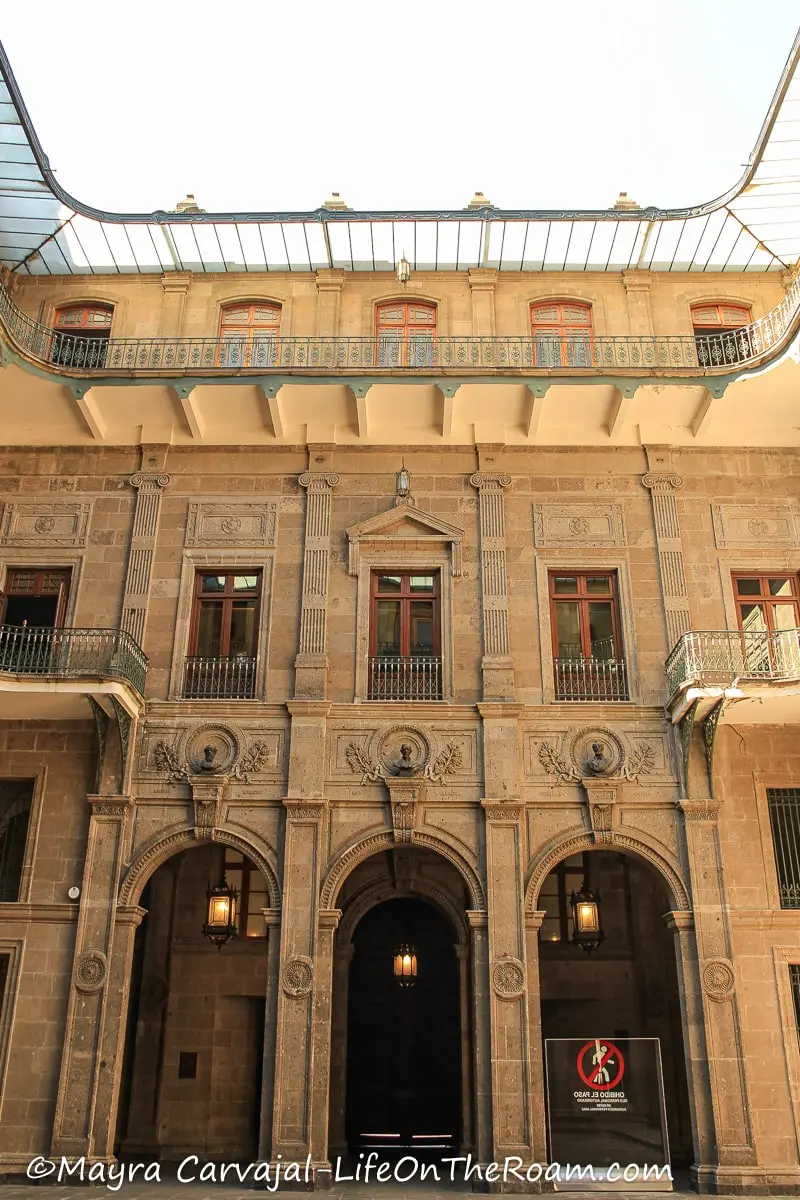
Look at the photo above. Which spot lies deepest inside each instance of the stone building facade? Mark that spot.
(408, 647)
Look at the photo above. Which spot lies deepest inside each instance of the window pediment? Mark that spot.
(404, 527)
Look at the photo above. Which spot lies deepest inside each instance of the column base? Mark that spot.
(745, 1181)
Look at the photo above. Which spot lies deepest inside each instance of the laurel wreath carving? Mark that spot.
(166, 759)
(360, 763)
(641, 762)
(555, 764)
(446, 762)
(251, 761)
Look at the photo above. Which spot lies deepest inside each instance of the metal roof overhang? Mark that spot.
(753, 227)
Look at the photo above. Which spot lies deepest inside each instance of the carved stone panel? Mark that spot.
(35, 524)
(221, 524)
(753, 525)
(578, 525)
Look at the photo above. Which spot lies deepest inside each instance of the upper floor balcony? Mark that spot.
(754, 673)
(53, 672)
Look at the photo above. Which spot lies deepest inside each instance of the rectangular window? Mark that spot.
(768, 612)
(794, 981)
(405, 655)
(34, 596)
(554, 897)
(16, 798)
(222, 640)
(784, 819)
(586, 639)
(253, 896)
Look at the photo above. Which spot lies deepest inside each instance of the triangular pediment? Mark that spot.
(405, 522)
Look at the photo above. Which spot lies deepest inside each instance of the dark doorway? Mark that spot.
(403, 1042)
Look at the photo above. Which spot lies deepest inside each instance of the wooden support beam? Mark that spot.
(621, 405)
(708, 406)
(87, 407)
(191, 411)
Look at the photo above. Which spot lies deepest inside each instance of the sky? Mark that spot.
(272, 106)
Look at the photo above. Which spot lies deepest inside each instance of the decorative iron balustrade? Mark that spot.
(72, 654)
(591, 679)
(689, 353)
(407, 678)
(718, 658)
(231, 678)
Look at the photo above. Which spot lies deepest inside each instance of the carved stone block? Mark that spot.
(223, 524)
(753, 525)
(41, 524)
(578, 525)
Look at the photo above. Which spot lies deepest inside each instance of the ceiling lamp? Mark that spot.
(403, 270)
(587, 932)
(220, 924)
(405, 965)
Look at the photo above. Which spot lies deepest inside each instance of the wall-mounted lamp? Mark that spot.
(220, 924)
(403, 270)
(587, 931)
(405, 965)
(403, 483)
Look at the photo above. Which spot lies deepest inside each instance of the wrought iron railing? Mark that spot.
(590, 679)
(689, 353)
(405, 678)
(231, 678)
(718, 658)
(72, 654)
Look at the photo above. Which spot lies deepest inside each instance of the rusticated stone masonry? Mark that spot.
(146, 520)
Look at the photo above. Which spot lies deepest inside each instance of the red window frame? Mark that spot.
(225, 598)
(415, 317)
(584, 598)
(764, 599)
(720, 317)
(85, 326)
(47, 581)
(572, 324)
(258, 326)
(405, 597)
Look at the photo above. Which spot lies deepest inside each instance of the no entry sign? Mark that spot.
(600, 1065)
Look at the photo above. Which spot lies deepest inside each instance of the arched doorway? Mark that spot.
(402, 1045)
(625, 989)
(192, 1068)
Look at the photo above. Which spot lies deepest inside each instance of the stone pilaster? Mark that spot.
(512, 1082)
(637, 294)
(146, 520)
(175, 288)
(663, 486)
(467, 1134)
(496, 665)
(337, 1133)
(533, 923)
(482, 1032)
(311, 663)
(327, 923)
(482, 286)
(730, 1104)
(303, 991)
(329, 291)
(93, 1039)
(272, 919)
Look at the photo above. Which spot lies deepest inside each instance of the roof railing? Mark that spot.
(539, 353)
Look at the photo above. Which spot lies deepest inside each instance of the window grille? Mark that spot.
(784, 817)
(794, 980)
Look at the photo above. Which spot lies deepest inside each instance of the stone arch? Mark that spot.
(554, 853)
(358, 851)
(370, 897)
(164, 846)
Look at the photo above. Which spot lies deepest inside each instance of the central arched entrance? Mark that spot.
(403, 1035)
(402, 1047)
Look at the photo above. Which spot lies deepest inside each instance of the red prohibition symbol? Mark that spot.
(605, 1065)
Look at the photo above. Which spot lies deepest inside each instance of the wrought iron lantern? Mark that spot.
(403, 270)
(403, 483)
(220, 924)
(587, 931)
(405, 965)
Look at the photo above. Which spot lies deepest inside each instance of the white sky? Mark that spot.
(271, 105)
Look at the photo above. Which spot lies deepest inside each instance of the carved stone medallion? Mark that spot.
(508, 978)
(297, 977)
(403, 745)
(596, 752)
(718, 978)
(212, 749)
(90, 971)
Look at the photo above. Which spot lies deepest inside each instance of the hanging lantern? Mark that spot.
(220, 924)
(587, 932)
(403, 270)
(403, 483)
(405, 965)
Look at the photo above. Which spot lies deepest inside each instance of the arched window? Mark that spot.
(80, 335)
(562, 334)
(719, 334)
(249, 334)
(405, 330)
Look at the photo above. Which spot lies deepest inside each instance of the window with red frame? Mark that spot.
(249, 334)
(585, 619)
(721, 333)
(223, 636)
(405, 615)
(562, 334)
(767, 603)
(34, 596)
(251, 885)
(80, 335)
(405, 330)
